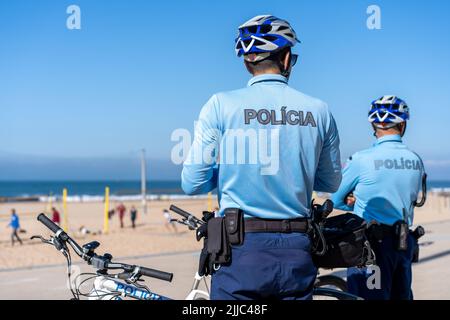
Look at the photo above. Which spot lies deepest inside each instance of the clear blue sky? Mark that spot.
(137, 70)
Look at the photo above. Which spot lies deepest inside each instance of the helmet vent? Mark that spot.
(265, 28)
(252, 29)
(270, 38)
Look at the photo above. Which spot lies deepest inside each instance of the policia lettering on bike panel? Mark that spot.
(273, 259)
(385, 181)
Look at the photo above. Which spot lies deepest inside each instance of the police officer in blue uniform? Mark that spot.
(289, 146)
(381, 184)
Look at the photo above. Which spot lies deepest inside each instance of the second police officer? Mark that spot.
(382, 184)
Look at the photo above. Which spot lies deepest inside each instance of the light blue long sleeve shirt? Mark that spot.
(385, 181)
(265, 148)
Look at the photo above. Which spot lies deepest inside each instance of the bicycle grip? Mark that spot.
(48, 223)
(161, 275)
(181, 212)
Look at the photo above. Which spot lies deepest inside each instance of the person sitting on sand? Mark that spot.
(169, 221)
(85, 231)
(56, 216)
(15, 226)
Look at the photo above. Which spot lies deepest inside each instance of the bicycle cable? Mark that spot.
(92, 276)
(98, 294)
(66, 253)
(318, 231)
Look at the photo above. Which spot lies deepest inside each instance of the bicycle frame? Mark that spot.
(106, 288)
(196, 294)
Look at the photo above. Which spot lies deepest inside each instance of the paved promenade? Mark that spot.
(431, 275)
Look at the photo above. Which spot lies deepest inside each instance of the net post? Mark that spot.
(106, 212)
(65, 212)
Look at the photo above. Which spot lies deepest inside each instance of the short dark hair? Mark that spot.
(274, 61)
(397, 127)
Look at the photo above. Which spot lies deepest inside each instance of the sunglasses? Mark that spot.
(294, 58)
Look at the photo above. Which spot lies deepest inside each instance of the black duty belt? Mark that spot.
(276, 226)
(387, 230)
(381, 231)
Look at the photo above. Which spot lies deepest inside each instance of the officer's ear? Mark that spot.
(286, 60)
(374, 130)
(402, 128)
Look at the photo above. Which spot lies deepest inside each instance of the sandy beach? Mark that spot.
(149, 237)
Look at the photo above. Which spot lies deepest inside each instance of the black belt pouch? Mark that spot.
(218, 246)
(417, 234)
(234, 224)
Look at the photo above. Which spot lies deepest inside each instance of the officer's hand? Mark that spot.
(350, 200)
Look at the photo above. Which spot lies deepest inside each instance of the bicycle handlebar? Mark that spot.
(189, 219)
(161, 275)
(49, 223)
(181, 212)
(101, 261)
(143, 271)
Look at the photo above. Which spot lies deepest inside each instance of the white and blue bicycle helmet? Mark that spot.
(263, 35)
(389, 110)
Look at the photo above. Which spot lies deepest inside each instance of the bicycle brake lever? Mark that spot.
(50, 241)
(191, 223)
(123, 275)
(131, 277)
(179, 221)
(185, 222)
(58, 244)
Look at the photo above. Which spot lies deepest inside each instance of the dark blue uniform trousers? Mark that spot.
(395, 272)
(267, 266)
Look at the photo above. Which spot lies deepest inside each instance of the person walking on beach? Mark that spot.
(121, 209)
(273, 193)
(56, 216)
(169, 223)
(133, 216)
(381, 184)
(15, 226)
